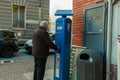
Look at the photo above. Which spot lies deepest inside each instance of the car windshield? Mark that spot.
(7, 34)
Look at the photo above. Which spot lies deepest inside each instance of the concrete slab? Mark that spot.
(1, 79)
(28, 75)
(48, 75)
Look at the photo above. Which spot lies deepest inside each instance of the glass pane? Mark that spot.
(1, 35)
(21, 19)
(15, 16)
(11, 34)
(5, 34)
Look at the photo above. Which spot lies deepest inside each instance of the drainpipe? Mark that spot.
(109, 37)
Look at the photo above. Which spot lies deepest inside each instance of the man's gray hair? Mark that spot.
(43, 23)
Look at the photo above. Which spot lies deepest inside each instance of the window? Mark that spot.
(18, 17)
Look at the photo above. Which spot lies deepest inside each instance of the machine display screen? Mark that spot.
(59, 27)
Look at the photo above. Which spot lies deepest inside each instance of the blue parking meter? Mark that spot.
(63, 40)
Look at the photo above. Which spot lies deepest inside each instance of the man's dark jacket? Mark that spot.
(41, 43)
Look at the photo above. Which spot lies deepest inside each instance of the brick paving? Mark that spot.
(23, 69)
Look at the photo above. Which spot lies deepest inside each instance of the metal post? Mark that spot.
(109, 37)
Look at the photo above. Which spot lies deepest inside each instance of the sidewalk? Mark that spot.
(48, 75)
(23, 69)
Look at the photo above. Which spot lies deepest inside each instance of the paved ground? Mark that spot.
(21, 68)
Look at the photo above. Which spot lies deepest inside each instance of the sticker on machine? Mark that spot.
(57, 64)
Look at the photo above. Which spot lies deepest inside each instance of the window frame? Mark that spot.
(18, 27)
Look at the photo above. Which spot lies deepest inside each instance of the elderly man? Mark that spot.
(40, 49)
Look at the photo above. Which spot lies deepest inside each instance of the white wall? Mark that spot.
(115, 57)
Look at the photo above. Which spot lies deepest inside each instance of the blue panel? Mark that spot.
(64, 13)
(63, 40)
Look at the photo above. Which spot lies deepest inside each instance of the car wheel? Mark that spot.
(7, 52)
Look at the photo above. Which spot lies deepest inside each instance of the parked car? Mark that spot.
(8, 43)
(28, 44)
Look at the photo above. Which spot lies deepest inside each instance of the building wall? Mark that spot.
(35, 11)
(32, 17)
(5, 14)
(115, 55)
(78, 6)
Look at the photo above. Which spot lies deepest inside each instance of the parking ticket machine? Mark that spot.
(63, 40)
